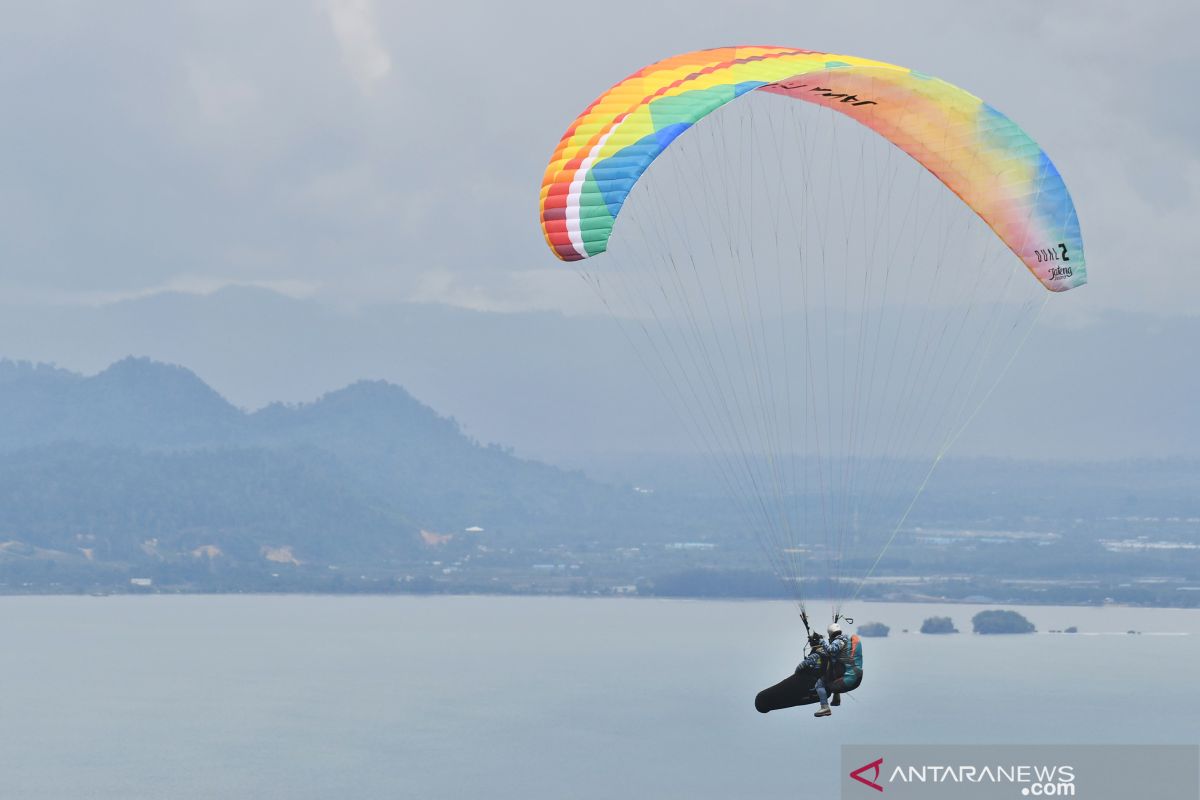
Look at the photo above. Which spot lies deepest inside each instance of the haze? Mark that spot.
(288, 197)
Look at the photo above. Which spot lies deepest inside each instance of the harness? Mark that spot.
(851, 659)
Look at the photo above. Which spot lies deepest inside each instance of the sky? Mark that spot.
(363, 151)
(357, 155)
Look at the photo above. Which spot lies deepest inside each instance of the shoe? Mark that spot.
(836, 700)
(824, 712)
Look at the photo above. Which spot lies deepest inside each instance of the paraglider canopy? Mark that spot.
(979, 153)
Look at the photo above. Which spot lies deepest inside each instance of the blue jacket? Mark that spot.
(814, 661)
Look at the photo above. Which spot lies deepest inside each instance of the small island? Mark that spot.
(938, 625)
(998, 621)
(873, 629)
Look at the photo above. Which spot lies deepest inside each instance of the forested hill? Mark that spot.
(144, 463)
(135, 402)
(143, 473)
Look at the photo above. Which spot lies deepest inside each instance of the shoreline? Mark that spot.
(810, 602)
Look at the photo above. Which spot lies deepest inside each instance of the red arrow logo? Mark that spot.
(875, 765)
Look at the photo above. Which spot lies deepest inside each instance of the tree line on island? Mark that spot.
(986, 622)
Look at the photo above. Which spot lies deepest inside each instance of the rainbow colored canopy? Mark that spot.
(980, 154)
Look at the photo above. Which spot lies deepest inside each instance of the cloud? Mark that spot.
(359, 38)
(554, 289)
(221, 98)
(199, 285)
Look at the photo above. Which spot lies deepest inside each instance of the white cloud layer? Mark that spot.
(359, 38)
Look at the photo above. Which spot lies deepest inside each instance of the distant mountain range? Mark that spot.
(569, 390)
(144, 470)
(144, 462)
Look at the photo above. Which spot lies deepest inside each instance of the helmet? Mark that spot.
(815, 640)
(834, 631)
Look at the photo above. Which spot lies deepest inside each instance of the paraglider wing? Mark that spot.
(980, 154)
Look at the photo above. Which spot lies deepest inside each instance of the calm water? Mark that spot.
(322, 697)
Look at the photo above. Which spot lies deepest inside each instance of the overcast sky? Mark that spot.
(357, 151)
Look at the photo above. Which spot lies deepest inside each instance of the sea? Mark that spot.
(244, 696)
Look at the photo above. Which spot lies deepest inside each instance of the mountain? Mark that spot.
(119, 504)
(145, 463)
(395, 445)
(570, 390)
(133, 402)
(142, 471)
